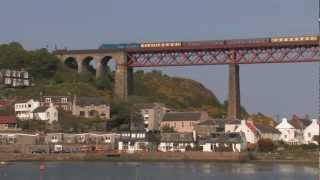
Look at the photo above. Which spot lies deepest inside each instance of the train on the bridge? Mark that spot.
(211, 43)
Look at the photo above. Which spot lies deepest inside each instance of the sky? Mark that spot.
(276, 90)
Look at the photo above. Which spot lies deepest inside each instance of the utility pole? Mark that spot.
(319, 63)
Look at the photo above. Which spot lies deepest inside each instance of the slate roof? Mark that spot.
(88, 101)
(267, 129)
(299, 123)
(56, 99)
(40, 109)
(8, 120)
(177, 137)
(252, 127)
(182, 116)
(222, 138)
(147, 105)
(233, 121)
(212, 122)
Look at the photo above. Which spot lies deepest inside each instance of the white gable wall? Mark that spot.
(311, 131)
(251, 137)
(288, 133)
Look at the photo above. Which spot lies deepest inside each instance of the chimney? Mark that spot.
(284, 120)
(315, 121)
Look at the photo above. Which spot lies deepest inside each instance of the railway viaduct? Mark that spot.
(300, 49)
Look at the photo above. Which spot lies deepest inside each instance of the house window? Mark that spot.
(93, 113)
(309, 135)
(48, 114)
(64, 100)
(48, 100)
(82, 113)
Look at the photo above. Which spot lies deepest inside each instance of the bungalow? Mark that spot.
(104, 138)
(131, 142)
(75, 138)
(224, 142)
(268, 132)
(8, 123)
(311, 131)
(183, 121)
(176, 142)
(19, 138)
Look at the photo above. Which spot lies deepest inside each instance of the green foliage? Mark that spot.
(124, 116)
(262, 119)
(70, 123)
(32, 125)
(13, 56)
(104, 83)
(177, 93)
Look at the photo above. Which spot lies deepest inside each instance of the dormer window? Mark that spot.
(64, 100)
(48, 100)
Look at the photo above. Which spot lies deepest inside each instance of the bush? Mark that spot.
(310, 146)
(266, 145)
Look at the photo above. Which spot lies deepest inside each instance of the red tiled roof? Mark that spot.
(8, 120)
(251, 127)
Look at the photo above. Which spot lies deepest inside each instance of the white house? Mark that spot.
(131, 142)
(24, 111)
(311, 131)
(289, 133)
(49, 114)
(224, 142)
(249, 130)
(176, 142)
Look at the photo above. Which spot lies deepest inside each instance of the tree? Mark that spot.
(104, 83)
(136, 120)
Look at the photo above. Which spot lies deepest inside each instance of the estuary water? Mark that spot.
(156, 171)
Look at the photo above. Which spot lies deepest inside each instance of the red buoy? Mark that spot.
(42, 167)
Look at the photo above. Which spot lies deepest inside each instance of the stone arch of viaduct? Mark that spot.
(123, 74)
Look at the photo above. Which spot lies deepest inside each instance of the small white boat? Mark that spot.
(2, 163)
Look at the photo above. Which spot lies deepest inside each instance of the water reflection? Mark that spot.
(156, 171)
